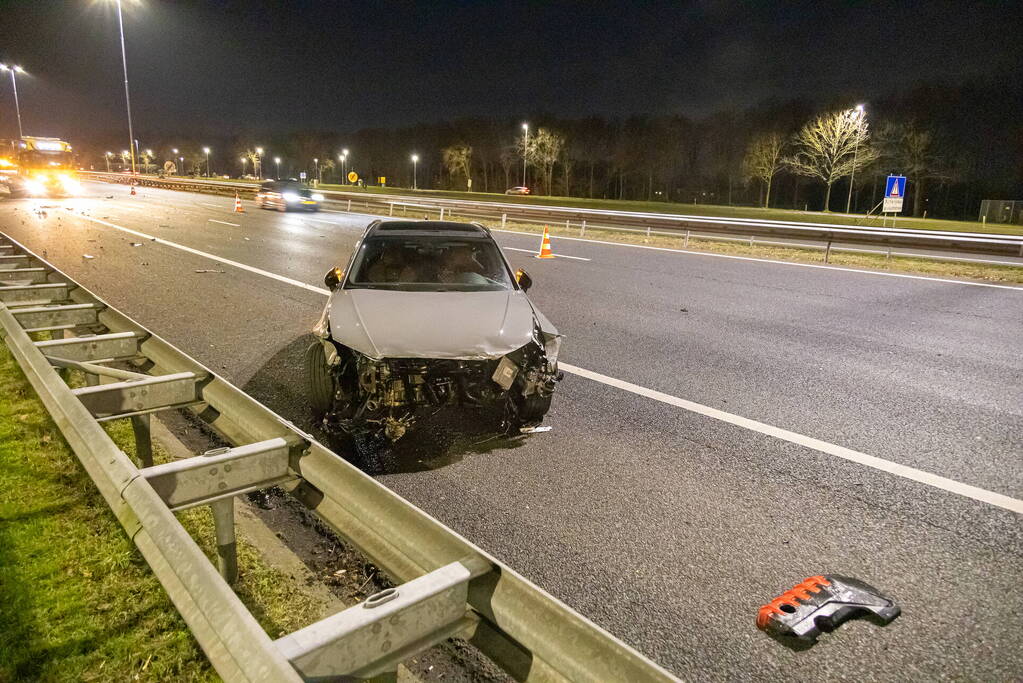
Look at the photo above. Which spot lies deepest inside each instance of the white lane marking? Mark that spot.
(218, 259)
(530, 251)
(214, 220)
(950, 485)
(911, 473)
(764, 260)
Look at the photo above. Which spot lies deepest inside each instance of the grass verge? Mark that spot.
(77, 601)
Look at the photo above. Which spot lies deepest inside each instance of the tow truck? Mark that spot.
(39, 167)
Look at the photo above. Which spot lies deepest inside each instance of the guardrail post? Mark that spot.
(349, 206)
(648, 232)
(441, 213)
(827, 253)
(582, 228)
(140, 425)
(390, 210)
(227, 550)
(504, 220)
(568, 226)
(751, 240)
(685, 244)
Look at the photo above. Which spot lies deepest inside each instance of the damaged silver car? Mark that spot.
(429, 315)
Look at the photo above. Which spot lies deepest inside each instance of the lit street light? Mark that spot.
(107, 157)
(344, 166)
(243, 160)
(415, 162)
(14, 85)
(175, 151)
(207, 151)
(182, 160)
(258, 163)
(858, 115)
(525, 149)
(316, 163)
(278, 161)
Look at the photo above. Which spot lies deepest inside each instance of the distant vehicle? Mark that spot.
(287, 194)
(40, 167)
(519, 189)
(429, 315)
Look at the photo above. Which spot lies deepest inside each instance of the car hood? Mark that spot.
(453, 325)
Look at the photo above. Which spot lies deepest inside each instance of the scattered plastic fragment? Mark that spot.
(822, 603)
(209, 270)
(88, 256)
(136, 244)
(534, 430)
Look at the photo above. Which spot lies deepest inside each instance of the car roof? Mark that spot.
(427, 228)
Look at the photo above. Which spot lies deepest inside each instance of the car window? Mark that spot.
(429, 263)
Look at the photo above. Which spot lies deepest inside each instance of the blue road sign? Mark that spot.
(895, 188)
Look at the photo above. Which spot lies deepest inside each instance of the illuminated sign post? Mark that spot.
(894, 193)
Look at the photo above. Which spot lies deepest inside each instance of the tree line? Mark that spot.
(956, 145)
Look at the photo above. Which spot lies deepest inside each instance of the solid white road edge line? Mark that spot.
(904, 471)
(950, 485)
(214, 220)
(530, 251)
(764, 260)
(218, 259)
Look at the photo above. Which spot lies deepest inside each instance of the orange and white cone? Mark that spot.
(132, 183)
(238, 204)
(545, 245)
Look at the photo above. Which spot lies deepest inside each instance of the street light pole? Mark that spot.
(243, 159)
(415, 164)
(525, 150)
(182, 160)
(107, 157)
(258, 163)
(278, 160)
(316, 163)
(14, 85)
(174, 150)
(852, 176)
(207, 151)
(127, 97)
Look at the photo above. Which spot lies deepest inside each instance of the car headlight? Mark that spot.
(290, 196)
(318, 197)
(34, 187)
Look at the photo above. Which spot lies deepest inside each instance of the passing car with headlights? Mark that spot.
(287, 195)
(429, 315)
(519, 190)
(43, 167)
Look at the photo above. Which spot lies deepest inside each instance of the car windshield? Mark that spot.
(429, 263)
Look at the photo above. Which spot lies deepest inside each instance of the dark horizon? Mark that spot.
(223, 68)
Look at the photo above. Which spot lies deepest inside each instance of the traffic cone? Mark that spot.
(545, 245)
(132, 183)
(238, 204)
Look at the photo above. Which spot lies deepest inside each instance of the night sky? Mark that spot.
(282, 66)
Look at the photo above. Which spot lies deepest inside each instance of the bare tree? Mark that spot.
(831, 147)
(510, 158)
(763, 160)
(545, 148)
(913, 151)
(458, 160)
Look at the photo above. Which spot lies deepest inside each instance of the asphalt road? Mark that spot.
(665, 526)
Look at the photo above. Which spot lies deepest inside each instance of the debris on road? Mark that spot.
(136, 244)
(209, 270)
(534, 430)
(822, 603)
(89, 256)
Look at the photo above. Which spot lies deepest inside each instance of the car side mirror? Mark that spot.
(522, 277)
(333, 278)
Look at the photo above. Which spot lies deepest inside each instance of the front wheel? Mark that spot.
(532, 409)
(320, 380)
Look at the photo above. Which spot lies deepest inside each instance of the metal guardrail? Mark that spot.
(448, 587)
(648, 223)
